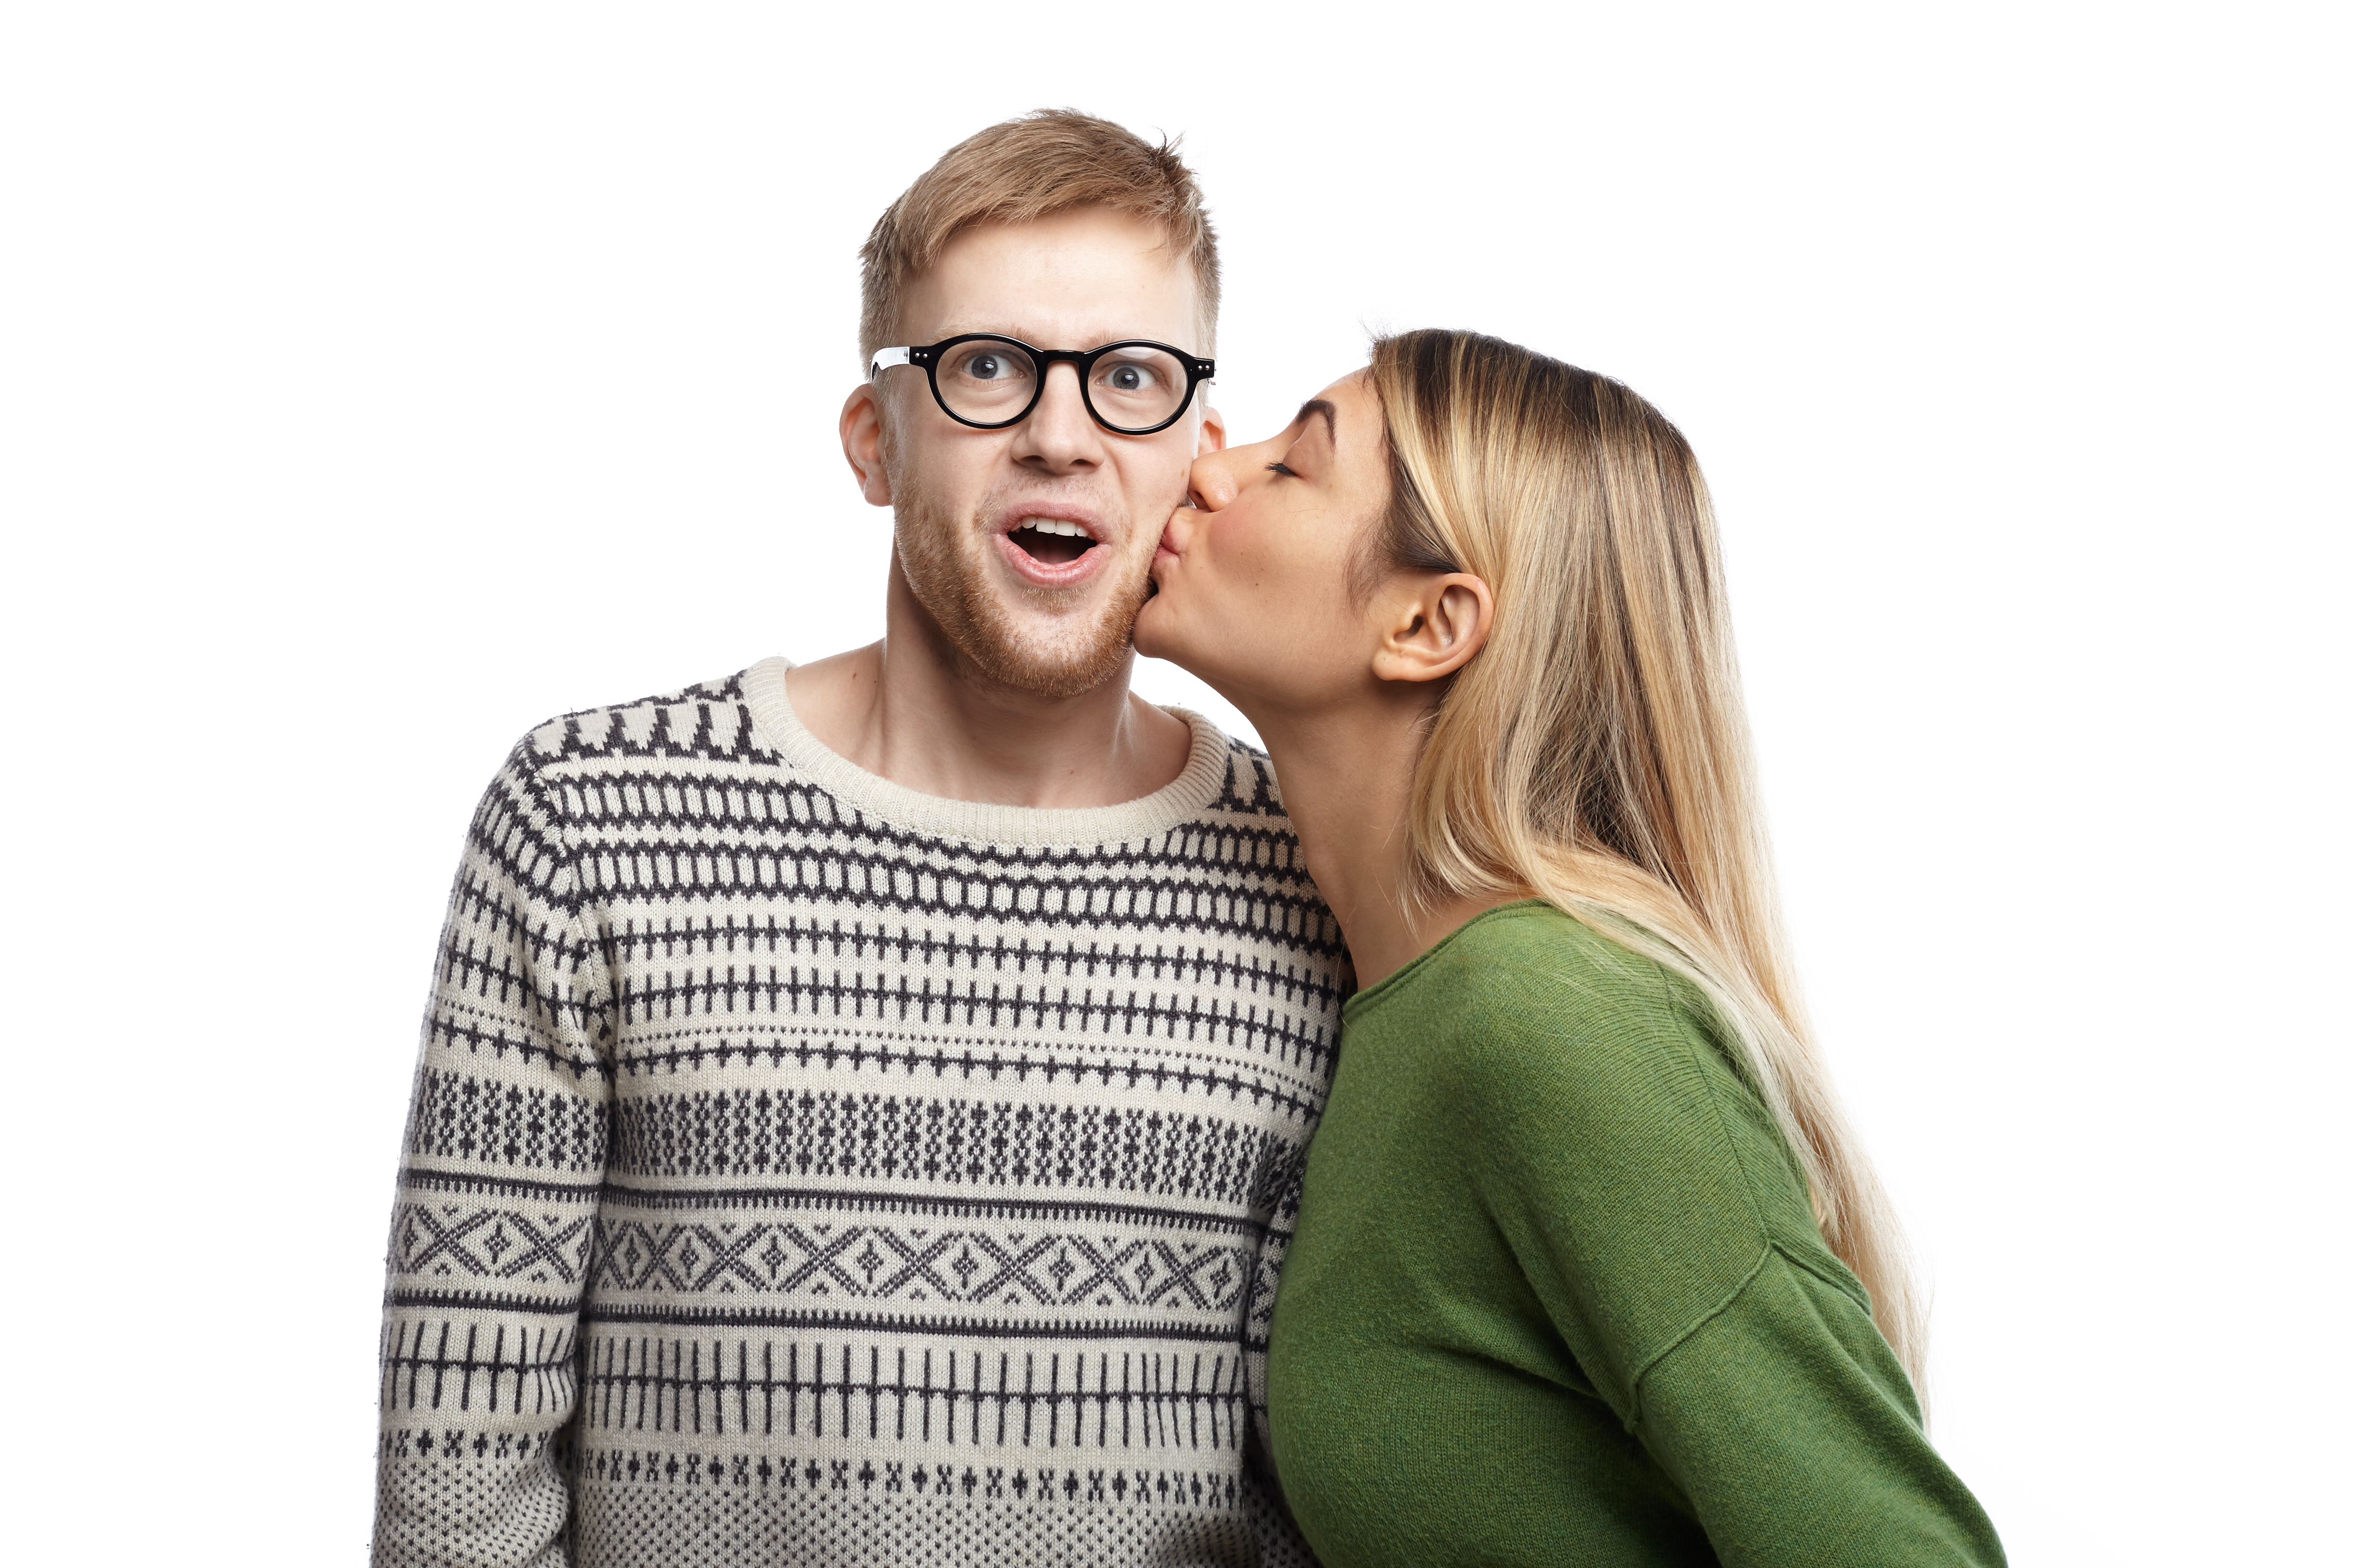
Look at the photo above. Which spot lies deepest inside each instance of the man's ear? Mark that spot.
(861, 443)
(1213, 431)
(1434, 624)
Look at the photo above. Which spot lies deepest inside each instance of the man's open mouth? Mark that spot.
(1051, 541)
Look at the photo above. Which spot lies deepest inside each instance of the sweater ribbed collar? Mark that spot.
(1180, 801)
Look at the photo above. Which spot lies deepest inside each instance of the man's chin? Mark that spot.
(1043, 655)
(1056, 674)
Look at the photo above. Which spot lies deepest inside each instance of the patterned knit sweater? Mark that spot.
(805, 1169)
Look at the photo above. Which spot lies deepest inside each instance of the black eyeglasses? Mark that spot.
(1132, 388)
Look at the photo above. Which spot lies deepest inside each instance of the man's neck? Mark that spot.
(909, 709)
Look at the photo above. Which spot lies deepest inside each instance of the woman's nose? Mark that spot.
(1212, 485)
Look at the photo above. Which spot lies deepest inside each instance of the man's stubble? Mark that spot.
(933, 548)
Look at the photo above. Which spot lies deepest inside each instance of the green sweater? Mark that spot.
(1558, 1297)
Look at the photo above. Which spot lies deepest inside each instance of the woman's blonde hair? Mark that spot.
(1597, 749)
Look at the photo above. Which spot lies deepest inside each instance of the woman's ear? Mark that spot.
(1434, 624)
(861, 443)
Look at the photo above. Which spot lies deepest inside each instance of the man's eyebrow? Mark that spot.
(1321, 405)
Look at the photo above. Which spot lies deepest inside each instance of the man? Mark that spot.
(862, 1103)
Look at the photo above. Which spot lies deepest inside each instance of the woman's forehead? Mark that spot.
(1347, 410)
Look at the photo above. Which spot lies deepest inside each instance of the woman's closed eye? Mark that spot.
(1283, 469)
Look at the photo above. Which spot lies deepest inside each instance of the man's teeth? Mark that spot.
(1054, 525)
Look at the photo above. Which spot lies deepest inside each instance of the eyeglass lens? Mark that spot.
(990, 381)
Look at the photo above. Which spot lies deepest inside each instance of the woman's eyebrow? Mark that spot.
(1321, 405)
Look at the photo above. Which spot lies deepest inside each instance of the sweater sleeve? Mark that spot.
(1788, 1424)
(1274, 1532)
(494, 1225)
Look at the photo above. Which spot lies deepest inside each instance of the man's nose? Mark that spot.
(1059, 435)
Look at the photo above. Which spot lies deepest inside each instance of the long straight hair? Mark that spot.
(1597, 749)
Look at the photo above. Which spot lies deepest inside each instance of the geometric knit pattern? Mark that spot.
(802, 1170)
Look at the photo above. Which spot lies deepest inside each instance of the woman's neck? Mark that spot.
(1347, 780)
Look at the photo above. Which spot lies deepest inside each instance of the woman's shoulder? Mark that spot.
(1525, 990)
(1581, 1064)
(1600, 1115)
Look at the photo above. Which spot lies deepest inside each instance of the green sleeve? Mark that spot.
(1787, 1421)
(1662, 1227)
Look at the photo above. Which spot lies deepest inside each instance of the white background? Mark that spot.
(376, 382)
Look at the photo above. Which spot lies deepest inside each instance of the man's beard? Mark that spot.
(1076, 657)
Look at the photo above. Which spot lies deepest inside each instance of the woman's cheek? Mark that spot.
(1258, 565)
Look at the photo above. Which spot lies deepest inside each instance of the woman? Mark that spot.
(1588, 1267)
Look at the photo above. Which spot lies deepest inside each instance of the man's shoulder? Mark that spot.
(709, 721)
(1250, 788)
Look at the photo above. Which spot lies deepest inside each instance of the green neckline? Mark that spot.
(1375, 994)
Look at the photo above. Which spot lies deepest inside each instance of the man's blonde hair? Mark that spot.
(1025, 169)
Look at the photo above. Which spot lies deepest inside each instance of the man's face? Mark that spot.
(1048, 613)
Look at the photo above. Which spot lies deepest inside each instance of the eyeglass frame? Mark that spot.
(927, 355)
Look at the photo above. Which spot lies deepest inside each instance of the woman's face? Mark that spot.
(1253, 576)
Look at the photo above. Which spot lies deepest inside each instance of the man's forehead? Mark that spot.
(1073, 280)
(1070, 332)
(1052, 317)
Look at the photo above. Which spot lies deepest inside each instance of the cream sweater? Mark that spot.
(805, 1169)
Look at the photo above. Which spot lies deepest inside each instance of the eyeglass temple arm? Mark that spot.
(886, 358)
